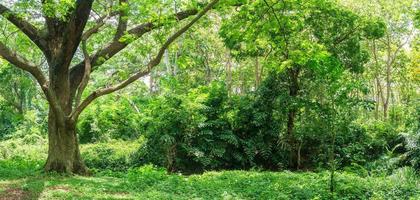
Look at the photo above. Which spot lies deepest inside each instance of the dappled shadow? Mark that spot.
(13, 194)
(21, 179)
(23, 189)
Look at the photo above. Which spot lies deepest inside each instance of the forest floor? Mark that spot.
(21, 179)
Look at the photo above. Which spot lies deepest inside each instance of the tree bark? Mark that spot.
(63, 148)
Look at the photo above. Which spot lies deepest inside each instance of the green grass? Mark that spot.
(25, 179)
(21, 177)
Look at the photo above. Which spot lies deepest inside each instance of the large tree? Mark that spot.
(60, 31)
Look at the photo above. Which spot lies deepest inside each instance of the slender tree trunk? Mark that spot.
(299, 157)
(151, 83)
(167, 63)
(257, 73)
(229, 74)
(242, 79)
(293, 93)
(388, 91)
(208, 67)
(170, 158)
(375, 96)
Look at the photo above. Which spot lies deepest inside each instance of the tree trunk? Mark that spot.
(291, 115)
(63, 148)
(376, 98)
(257, 73)
(229, 74)
(388, 91)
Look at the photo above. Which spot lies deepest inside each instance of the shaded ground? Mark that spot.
(14, 194)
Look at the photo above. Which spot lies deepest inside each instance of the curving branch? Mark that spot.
(152, 63)
(95, 29)
(138, 31)
(86, 75)
(21, 63)
(115, 46)
(26, 65)
(27, 28)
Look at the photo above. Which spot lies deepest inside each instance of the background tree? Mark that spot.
(304, 40)
(389, 53)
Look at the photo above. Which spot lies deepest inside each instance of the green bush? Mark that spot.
(114, 155)
(404, 183)
(205, 129)
(32, 147)
(107, 121)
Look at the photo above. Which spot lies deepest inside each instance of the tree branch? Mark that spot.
(77, 24)
(115, 46)
(26, 65)
(21, 63)
(28, 29)
(152, 63)
(86, 75)
(122, 20)
(99, 23)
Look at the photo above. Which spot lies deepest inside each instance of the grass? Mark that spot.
(21, 177)
(24, 179)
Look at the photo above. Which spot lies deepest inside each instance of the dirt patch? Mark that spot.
(117, 193)
(14, 194)
(58, 187)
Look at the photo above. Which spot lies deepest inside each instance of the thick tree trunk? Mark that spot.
(63, 148)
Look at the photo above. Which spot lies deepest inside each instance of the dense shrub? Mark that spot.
(114, 155)
(112, 120)
(206, 129)
(8, 120)
(191, 132)
(412, 155)
(31, 147)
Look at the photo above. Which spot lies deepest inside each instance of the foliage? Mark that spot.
(113, 120)
(29, 147)
(188, 129)
(204, 130)
(18, 103)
